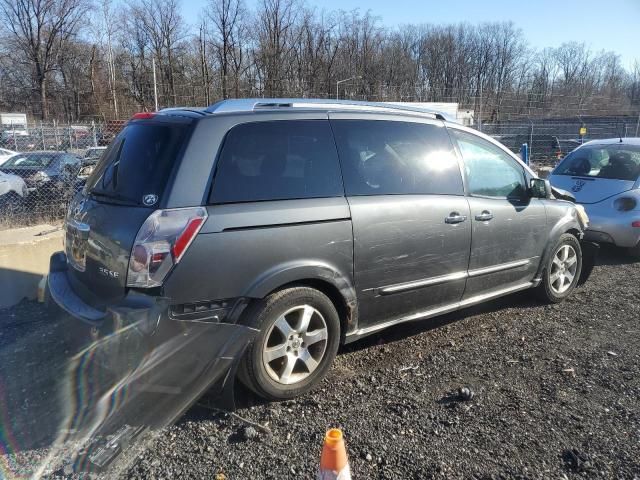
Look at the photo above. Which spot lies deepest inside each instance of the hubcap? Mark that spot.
(563, 269)
(295, 345)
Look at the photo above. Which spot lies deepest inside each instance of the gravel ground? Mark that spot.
(553, 392)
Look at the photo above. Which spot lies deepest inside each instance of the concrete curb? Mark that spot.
(24, 259)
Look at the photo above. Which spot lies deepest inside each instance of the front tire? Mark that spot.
(563, 270)
(298, 340)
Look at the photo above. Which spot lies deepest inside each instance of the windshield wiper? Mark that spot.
(113, 196)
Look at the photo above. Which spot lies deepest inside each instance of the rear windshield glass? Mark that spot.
(136, 166)
(618, 162)
(36, 160)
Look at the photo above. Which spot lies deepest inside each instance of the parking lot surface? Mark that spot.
(552, 392)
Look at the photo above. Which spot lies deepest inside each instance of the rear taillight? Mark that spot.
(143, 115)
(636, 224)
(625, 204)
(161, 243)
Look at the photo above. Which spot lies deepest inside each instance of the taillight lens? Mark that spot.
(143, 115)
(625, 204)
(161, 243)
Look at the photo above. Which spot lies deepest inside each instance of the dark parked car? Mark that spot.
(48, 175)
(22, 141)
(262, 234)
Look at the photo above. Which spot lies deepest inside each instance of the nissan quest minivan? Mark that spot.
(290, 227)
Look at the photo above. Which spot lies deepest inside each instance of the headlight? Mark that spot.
(86, 171)
(41, 177)
(624, 204)
(582, 215)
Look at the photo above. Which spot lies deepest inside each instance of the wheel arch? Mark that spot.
(323, 277)
(569, 225)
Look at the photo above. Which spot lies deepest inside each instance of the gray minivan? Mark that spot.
(288, 227)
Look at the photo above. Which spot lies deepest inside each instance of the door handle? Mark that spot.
(485, 216)
(455, 217)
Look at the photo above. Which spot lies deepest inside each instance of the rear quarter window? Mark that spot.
(277, 160)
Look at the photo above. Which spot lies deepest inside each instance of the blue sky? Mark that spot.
(609, 25)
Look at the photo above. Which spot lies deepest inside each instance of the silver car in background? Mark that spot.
(604, 177)
(13, 191)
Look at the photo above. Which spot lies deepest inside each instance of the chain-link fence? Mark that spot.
(58, 137)
(550, 139)
(55, 160)
(43, 165)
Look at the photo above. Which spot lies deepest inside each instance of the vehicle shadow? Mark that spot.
(245, 398)
(397, 333)
(610, 255)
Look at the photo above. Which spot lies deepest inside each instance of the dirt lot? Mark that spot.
(556, 393)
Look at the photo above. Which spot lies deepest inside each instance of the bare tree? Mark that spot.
(165, 30)
(225, 17)
(108, 26)
(275, 26)
(283, 48)
(39, 29)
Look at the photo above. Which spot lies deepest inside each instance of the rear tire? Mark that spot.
(298, 340)
(562, 272)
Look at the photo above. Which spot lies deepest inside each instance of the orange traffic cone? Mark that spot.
(333, 461)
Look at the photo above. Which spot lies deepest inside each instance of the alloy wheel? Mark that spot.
(295, 345)
(563, 269)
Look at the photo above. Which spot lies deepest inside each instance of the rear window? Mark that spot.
(617, 162)
(136, 166)
(277, 160)
(35, 160)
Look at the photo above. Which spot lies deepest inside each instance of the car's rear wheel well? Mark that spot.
(331, 291)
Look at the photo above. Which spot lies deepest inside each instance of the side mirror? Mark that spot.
(540, 188)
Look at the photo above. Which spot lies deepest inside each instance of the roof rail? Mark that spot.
(253, 104)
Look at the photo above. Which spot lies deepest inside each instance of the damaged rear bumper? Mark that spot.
(144, 366)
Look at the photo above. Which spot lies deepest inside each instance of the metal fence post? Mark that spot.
(55, 134)
(93, 129)
(15, 141)
(44, 144)
(531, 140)
(524, 153)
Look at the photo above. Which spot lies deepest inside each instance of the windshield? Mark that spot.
(138, 163)
(32, 160)
(616, 161)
